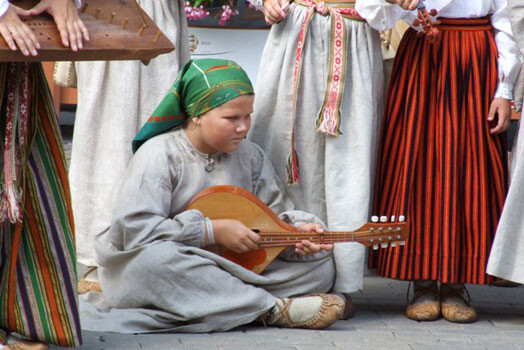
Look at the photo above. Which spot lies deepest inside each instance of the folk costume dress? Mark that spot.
(114, 101)
(507, 254)
(155, 243)
(438, 163)
(38, 295)
(317, 110)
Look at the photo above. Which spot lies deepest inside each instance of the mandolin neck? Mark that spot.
(289, 238)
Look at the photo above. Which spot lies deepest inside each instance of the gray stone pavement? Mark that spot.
(379, 324)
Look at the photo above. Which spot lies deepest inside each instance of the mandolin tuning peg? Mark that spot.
(401, 218)
(383, 219)
(402, 243)
(374, 218)
(384, 245)
(393, 244)
(393, 217)
(375, 247)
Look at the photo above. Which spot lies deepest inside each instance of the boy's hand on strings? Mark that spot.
(405, 4)
(501, 108)
(71, 28)
(308, 248)
(16, 33)
(235, 236)
(273, 12)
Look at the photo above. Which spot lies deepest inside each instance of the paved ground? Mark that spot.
(379, 324)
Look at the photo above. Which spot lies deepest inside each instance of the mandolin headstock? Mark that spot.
(383, 232)
(426, 20)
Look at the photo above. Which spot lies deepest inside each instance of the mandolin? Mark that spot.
(231, 202)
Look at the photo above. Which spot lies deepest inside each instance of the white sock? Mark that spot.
(301, 310)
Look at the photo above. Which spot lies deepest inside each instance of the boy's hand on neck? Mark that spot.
(235, 236)
(308, 248)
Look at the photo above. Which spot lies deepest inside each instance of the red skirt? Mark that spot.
(438, 164)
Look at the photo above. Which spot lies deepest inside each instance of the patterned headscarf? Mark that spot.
(201, 85)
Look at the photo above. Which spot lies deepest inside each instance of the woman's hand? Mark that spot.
(405, 4)
(71, 28)
(306, 247)
(501, 108)
(234, 235)
(16, 33)
(273, 12)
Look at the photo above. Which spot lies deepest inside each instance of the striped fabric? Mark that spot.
(438, 164)
(37, 256)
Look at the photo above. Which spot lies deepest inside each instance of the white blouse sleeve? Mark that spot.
(259, 4)
(508, 60)
(78, 3)
(516, 13)
(4, 5)
(380, 14)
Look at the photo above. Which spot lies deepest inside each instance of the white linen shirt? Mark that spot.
(382, 15)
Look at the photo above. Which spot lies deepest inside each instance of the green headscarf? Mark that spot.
(201, 85)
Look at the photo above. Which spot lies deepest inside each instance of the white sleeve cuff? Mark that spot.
(504, 90)
(4, 5)
(210, 232)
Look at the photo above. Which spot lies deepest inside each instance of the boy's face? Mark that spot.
(223, 128)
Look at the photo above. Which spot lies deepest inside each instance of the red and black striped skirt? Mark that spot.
(438, 163)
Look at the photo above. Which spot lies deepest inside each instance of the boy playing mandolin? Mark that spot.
(195, 140)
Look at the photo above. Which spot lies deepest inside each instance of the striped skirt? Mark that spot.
(438, 163)
(37, 253)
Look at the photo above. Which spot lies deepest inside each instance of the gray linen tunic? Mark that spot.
(153, 270)
(336, 173)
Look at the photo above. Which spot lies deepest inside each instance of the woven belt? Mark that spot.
(328, 119)
(468, 24)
